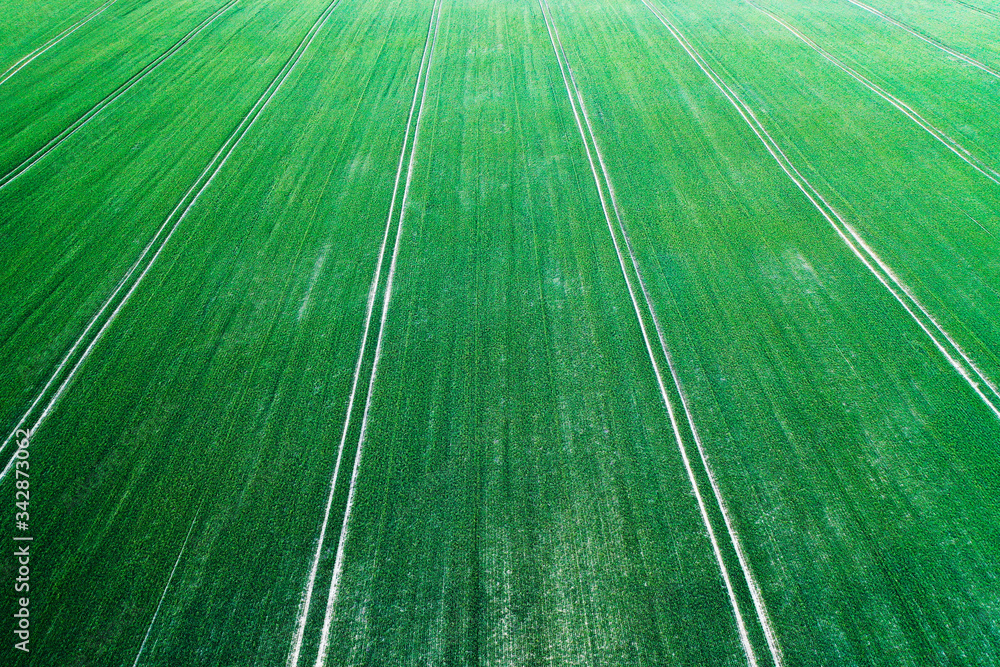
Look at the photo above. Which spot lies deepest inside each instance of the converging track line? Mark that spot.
(24, 61)
(163, 596)
(57, 140)
(933, 42)
(159, 241)
(646, 310)
(980, 383)
(394, 222)
(980, 10)
(908, 111)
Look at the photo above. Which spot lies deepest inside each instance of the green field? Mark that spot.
(500, 332)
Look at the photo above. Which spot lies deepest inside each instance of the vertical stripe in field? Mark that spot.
(981, 384)
(933, 42)
(906, 109)
(26, 60)
(644, 311)
(116, 301)
(979, 10)
(57, 140)
(377, 291)
(166, 587)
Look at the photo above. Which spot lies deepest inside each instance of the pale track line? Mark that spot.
(177, 215)
(56, 141)
(908, 111)
(408, 148)
(978, 9)
(339, 561)
(166, 588)
(942, 340)
(760, 608)
(26, 60)
(933, 42)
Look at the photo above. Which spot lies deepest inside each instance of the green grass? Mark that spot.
(521, 498)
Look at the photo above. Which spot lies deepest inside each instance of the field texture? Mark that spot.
(500, 332)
